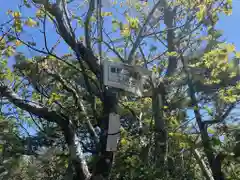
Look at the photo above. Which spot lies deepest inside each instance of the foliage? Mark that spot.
(55, 107)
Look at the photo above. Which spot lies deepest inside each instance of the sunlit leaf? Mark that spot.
(9, 51)
(40, 13)
(2, 43)
(172, 53)
(106, 14)
(230, 48)
(18, 43)
(124, 141)
(133, 23)
(30, 22)
(211, 131)
(237, 55)
(125, 32)
(16, 14)
(201, 13)
(216, 141)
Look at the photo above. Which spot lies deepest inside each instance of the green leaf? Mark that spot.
(1, 148)
(211, 131)
(2, 43)
(40, 13)
(124, 141)
(115, 25)
(92, 19)
(106, 14)
(216, 141)
(218, 34)
(31, 23)
(208, 110)
(16, 14)
(229, 2)
(120, 50)
(54, 97)
(237, 54)
(17, 25)
(154, 68)
(201, 13)
(133, 23)
(230, 48)
(80, 22)
(195, 108)
(138, 6)
(174, 53)
(9, 51)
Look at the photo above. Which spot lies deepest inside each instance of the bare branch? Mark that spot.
(222, 117)
(79, 102)
(113, 49)
(59, 12)
(143, 28)
(32, 107)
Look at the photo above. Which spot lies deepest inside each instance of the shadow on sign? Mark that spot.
(125, 77)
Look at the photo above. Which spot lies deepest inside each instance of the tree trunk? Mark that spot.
(104, 164)
(214, 164)
(161, 144)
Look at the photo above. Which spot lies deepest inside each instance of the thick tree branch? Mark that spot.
(79, 102)
(169, 16)
(71, 138)
(32, 107)
(58, 11)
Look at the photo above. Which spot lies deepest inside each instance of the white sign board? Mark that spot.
(156, 16)
(113, 132)
(125, 77)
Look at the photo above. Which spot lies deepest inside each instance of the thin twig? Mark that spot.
(139, 36)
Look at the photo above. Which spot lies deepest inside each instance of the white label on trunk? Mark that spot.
(113, 132)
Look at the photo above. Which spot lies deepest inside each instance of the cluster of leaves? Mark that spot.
(56, 95)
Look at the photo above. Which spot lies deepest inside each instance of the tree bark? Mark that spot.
(216, 168)
(160, 127)
(70, 134)
(104, 164)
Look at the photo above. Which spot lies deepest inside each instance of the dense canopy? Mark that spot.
(56, 108)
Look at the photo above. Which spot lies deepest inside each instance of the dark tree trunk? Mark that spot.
(104, 164)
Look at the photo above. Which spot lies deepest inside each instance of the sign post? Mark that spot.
(128, 78)
(125, 77)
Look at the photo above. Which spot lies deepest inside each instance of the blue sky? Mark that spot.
(229, 24)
